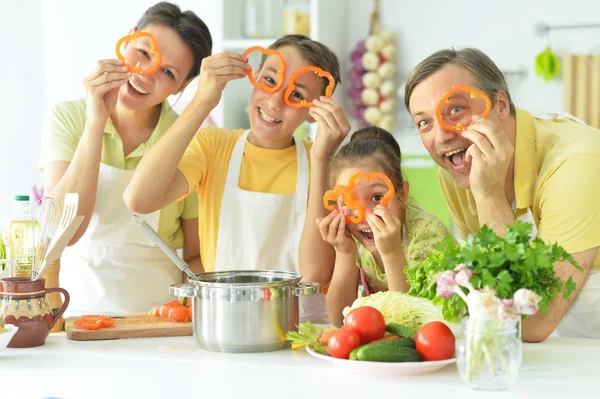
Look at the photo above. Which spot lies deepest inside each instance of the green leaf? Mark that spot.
(569, 288)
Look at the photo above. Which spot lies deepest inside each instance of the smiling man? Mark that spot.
(510, 165)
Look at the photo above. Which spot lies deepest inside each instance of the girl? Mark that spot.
(390, 238)
(92, 147)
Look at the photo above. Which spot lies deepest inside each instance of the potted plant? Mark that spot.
(491, 283)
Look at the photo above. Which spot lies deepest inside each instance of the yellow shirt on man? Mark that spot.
(63, 129)
(557, 177)
(205, 165)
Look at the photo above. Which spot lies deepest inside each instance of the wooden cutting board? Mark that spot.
(131, 326)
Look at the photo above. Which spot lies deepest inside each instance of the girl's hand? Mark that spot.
(102, 88)
(387, 230)
(216, 71)
(333, 230)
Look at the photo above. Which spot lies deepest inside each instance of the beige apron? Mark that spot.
(115, 268)
(261, 231)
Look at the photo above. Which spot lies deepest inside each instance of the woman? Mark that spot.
(92, 147)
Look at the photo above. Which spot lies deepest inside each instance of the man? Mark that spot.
(510, 165)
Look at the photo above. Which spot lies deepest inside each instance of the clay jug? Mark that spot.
(24, 304)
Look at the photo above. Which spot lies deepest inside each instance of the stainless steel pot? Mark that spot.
(246, 310)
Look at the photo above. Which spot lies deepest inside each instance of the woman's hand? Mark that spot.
(102, 88)
(387, 230)
(333, 230)
(216, 71)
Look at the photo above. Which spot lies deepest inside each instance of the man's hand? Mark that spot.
(490, 156)
(333, 128)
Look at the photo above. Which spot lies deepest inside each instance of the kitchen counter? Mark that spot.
(178, 367)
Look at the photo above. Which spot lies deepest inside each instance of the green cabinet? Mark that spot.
(421, 172)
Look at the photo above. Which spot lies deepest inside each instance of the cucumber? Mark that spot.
(399, 329)
(353, 354)
(397, 343)
(379, 353)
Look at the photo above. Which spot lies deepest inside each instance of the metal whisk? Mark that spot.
(46, 212)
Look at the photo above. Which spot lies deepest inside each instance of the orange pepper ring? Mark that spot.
(351, 201)
(292, 86)
(359, 206)
(153, 50)
(262, 85)
(333, 195)
(474, 94)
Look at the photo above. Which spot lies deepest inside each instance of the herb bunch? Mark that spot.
(505, 264)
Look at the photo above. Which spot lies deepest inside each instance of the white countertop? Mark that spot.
(178, 367)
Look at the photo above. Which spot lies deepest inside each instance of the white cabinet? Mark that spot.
(327, 25)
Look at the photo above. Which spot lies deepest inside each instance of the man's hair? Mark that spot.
(486, 74)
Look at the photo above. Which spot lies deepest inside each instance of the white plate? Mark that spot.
(7, 334)
(384, 368)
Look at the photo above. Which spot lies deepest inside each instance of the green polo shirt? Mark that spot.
(63, 128)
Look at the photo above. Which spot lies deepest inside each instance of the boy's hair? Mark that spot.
(192, 30)
(316, 53)
(486, 74)
(369, 143)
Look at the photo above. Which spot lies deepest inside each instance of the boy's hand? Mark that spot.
(333, 128)
(387, 230)
(216, 71)
(333, 230)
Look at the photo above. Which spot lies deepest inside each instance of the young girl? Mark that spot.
(92, 146)
(390, 238)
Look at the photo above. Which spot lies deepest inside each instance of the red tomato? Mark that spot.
(342, 342)
(435, 341)
(368, 323)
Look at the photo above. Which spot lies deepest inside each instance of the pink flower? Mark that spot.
(506, 310)
(526, 301)
(463, 276)
(446, 286)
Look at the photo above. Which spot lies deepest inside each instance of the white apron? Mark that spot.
(115, 268)
(583, 320)
(261, 231)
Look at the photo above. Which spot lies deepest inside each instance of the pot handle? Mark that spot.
(307, 288)
(183, 290)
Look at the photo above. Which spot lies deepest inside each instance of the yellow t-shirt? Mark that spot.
(205, 164)
(423, 232)
(63, 129)
(557, 176)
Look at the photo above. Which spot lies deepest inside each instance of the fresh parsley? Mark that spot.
(503, 263)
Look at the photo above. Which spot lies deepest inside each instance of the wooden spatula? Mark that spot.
(69, 223)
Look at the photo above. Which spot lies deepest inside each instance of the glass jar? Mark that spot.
(489, 355)
(261, 19)
(296, 17)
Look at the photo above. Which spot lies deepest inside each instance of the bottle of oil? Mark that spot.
(19, 238)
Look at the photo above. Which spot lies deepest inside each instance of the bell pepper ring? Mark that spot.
(351, 201)
(473, 94)
(280, 71)
(331, 197)
(292, 85)
(153, 50)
